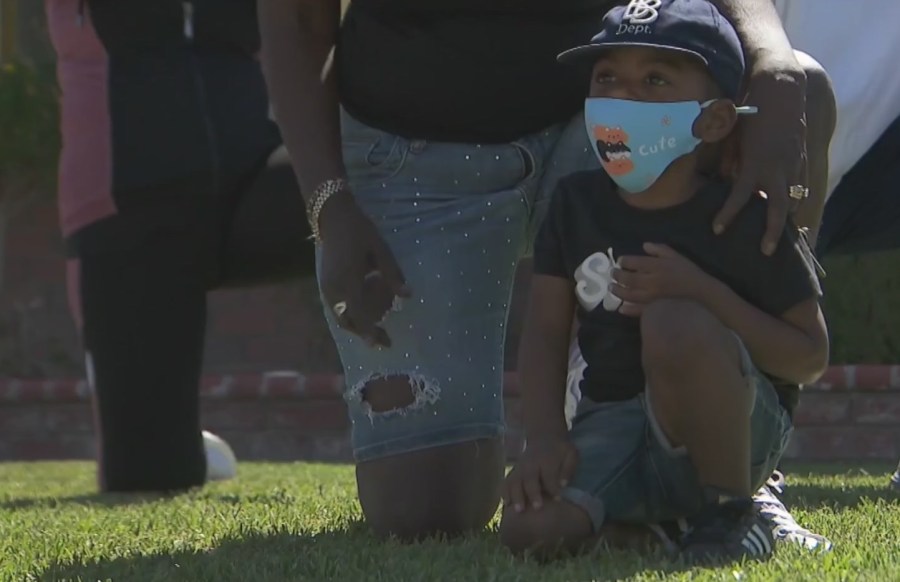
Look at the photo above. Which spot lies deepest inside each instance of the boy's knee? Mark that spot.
(676, 332)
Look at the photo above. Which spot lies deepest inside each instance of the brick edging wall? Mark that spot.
(853, 412)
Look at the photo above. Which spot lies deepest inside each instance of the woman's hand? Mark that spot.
(772, 146)
(359, 276)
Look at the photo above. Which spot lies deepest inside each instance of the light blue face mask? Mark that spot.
(636, 141)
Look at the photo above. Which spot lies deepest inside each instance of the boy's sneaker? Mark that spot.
(728, 532)
(670, 533)
(895, 479)
(783, 525)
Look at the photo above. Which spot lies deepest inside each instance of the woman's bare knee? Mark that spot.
(443, 491)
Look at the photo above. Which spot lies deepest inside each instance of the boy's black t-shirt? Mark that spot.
(468, 71)
(589, 226)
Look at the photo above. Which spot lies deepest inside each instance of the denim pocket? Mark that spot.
(370, 154)
(379, 158)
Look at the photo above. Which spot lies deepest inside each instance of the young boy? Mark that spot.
(692, 340)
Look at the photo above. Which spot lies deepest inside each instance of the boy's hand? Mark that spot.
(544, 469)
(664, 274)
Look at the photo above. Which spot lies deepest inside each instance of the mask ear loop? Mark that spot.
(742, 110)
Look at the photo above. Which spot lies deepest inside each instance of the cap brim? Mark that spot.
(580, 54)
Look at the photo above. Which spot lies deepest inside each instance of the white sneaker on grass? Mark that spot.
(221, 464)
(784, 527)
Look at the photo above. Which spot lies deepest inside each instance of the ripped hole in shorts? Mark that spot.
(383, 395)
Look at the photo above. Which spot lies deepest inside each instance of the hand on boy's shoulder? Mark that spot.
(750, 223)
(776, 281)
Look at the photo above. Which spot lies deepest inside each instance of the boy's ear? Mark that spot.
(717, 121)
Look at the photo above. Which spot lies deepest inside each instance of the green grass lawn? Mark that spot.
(301, 522)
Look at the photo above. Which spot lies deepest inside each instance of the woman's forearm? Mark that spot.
(297, 39)
(760, 30)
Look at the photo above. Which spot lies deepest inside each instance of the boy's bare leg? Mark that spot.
(698, 393)
(558, 527)
(561, 528)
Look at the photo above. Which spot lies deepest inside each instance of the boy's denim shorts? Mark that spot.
(458, 218)
(628, 470)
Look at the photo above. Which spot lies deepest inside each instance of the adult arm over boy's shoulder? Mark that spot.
(773, 142)
(759, 28)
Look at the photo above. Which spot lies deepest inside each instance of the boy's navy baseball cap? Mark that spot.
(694, 27)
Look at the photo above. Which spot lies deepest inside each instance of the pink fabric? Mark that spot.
(85, 166)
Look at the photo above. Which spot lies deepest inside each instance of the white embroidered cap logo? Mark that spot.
(642, 11)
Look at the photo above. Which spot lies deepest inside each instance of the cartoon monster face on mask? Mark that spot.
(636, 141)
(613, 150)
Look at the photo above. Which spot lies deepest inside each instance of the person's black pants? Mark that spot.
(863, 213)
(142, 280)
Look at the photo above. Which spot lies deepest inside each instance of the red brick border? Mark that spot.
(852, 413)
(295, 385)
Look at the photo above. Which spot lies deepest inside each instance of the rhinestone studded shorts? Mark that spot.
(458, 218)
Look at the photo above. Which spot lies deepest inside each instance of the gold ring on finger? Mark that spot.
(798, 192)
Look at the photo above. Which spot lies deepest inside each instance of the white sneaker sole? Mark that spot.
(221, 464)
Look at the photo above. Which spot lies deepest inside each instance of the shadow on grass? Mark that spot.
(354, 554)
(89, 500)
(112, 500)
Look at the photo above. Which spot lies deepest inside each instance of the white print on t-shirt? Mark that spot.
(593, 278)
